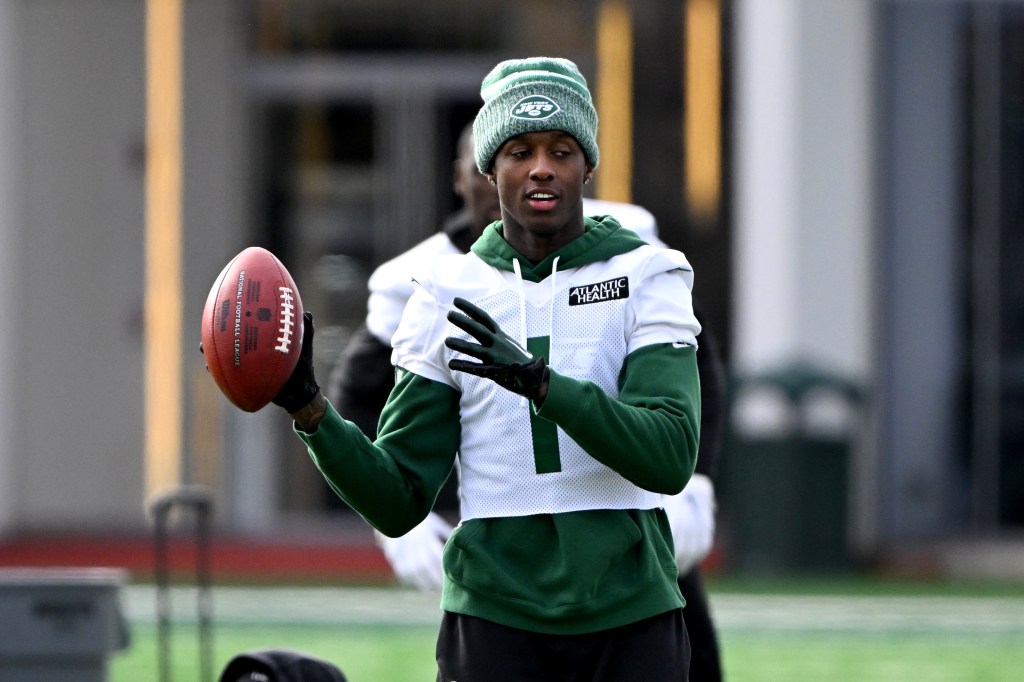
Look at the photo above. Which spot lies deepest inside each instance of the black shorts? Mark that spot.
(476, 650)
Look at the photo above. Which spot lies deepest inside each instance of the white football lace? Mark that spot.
(287, 330)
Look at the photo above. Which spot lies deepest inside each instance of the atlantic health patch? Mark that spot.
(610, 290)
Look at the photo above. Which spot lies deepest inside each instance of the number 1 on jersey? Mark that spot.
(545, 433)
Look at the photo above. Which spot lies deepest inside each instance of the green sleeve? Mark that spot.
(654, 446)
(393, 481)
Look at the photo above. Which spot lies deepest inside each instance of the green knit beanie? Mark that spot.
(528, 95)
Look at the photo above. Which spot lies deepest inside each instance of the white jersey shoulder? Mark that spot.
(447, 276)
(391, 284)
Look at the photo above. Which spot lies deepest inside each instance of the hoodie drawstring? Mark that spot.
(523, 401)
(522, 302)
(522, 310)
(551, 312)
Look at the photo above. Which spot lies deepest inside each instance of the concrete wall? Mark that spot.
(72, 132)
(79, 425)
(10, 232)
(922, 258)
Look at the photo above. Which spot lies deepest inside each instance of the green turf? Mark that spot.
(829, 629)
(363, 654)
(840, 657)
(407, 654)
(854, 584)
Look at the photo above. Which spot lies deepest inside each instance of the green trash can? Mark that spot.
(787, 458)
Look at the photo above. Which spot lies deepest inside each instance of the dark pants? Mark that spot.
(705, 663)
(475, 650)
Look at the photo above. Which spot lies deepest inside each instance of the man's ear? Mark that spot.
(458, 186)
(588, 174)
(491, 178)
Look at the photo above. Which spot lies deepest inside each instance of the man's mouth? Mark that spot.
(541, 201)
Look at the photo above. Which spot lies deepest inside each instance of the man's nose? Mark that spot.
(542, 168)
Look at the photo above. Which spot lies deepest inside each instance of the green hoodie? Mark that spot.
(564, 573)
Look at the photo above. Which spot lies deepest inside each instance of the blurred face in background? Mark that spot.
(478, 194)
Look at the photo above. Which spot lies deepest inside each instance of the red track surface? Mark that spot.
(232, 558)
(343, 555)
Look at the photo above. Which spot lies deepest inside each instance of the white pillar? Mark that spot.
(767, 190)
(803, 199)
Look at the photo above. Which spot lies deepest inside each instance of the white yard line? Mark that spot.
(299, 605)
(732, 612)
(873, 614)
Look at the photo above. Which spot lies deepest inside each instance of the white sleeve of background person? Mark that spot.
(691, 515)
(415, 557)
(630, 216)
(391, 285)
(419, 342)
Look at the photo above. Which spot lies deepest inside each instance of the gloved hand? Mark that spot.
(301, 387)
(691, 514)
(502, 359)
(416, 556)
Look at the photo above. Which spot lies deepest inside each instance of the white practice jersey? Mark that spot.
(586, 320)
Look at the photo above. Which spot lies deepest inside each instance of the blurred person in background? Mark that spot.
(364, 376)
(561, 566)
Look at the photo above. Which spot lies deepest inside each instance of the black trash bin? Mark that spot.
(788, 452)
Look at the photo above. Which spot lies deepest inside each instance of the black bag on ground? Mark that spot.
(279, 665)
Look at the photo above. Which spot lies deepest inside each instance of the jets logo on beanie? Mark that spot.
(529, 95)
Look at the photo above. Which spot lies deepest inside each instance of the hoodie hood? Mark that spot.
(602, 239)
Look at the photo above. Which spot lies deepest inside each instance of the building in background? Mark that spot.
(845, 178)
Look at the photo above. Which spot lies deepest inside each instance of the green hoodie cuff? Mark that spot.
(565, 399)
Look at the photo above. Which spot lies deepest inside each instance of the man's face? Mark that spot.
(540, 180)
(478, 194)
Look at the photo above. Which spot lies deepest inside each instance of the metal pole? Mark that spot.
(163, 604)
(205, 605)
(985, 270)
(199, 499)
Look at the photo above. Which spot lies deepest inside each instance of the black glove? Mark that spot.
(503, 360)
(301, 387)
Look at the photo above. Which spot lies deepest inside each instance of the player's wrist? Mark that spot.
(542, 388)
(308, 417)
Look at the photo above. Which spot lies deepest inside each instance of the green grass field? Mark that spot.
(363, 653)
(831, 630)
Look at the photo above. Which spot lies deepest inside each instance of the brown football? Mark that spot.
(252, 328)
